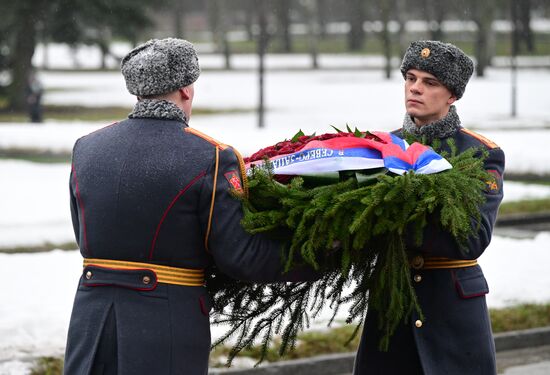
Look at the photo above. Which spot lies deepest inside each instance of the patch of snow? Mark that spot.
(511, 264)
(36, 307)
(310, 100)
(35, 202)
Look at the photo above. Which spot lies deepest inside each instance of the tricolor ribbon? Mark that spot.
(354, 153)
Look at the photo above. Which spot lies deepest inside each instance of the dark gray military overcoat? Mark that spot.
(142, 190)
(455, 338)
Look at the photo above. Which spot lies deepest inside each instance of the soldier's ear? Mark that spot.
(451, 100)
(185, 93)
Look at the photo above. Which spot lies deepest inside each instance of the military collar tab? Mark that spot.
(442, 128)
(157, 109)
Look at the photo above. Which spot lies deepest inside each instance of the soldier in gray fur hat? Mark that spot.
(455, 335)
(160, 66)
(153, 209)
(435, 75)
(161, 69)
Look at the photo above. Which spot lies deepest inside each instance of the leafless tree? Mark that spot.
(400, 17)
(386, 7)
(311, 15)
(322, 17)
(284, 10)
(262, 47)
(525, 32)
(435, 11)
(178, 12)
(356, 18)
(483, 13)
(26, 16)
(219, 25)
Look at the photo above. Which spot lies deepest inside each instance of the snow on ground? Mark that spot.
(516, 191)
(312, 101)
(526, 150)
(36, 307)
(361, 99)
(56, 137)
(512, 264)
(34, 206)
(34, 202)
(364, 98)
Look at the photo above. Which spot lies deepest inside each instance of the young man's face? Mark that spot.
(426, 99)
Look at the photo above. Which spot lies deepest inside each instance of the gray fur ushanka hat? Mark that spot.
(448, 63)
(160, 66)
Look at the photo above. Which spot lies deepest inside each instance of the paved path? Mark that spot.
(528, 361)
(542, 368)
(525, 352)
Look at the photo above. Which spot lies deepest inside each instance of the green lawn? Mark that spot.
(40, 248)
(337, 340)
(525, 206)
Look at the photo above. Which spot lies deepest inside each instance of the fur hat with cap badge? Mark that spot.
(448, 63)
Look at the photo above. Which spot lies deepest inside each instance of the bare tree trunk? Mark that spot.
(399, 14)
(104, 41)
(313, 30)
(483, 14)
(439, 10)
(435, 13)
(322, 13)
(515, 49)
(284, 23)
(179, 12)
(104, 50)
(385, 10)
(262, 46)
(526, 33)
(249, 12)
(219, 28)
(26, 19)
(356, 14)
(224, 34)
(214, 21)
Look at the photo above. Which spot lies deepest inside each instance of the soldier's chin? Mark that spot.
(413, 112)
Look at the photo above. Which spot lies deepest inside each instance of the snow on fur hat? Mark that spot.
(160, 66)
(448, 63)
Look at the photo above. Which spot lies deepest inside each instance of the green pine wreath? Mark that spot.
(352, 232)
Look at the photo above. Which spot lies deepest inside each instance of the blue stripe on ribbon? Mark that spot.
(426, 158)
(393, 162)
(398, 141)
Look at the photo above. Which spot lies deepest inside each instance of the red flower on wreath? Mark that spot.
(300, 140)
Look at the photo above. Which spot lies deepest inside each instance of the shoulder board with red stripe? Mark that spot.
(486, 141)
(207, 138)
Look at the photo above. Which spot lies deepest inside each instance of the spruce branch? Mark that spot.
(368, 268)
